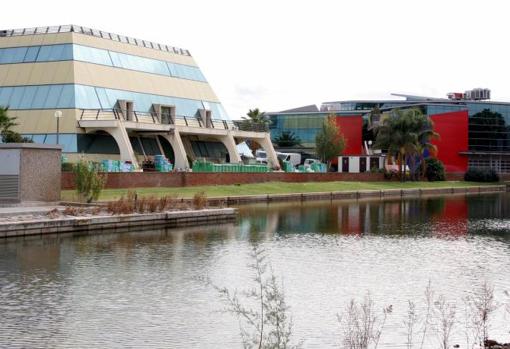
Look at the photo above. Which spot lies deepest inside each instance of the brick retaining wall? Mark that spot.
(183, 179)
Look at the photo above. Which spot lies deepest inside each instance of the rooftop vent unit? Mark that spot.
(478, 94)
(456, 95)
(3, 33)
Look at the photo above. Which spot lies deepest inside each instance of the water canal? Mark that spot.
(144, 289)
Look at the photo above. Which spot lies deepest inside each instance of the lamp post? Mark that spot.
(58, 115)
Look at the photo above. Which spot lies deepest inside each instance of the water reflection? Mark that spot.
(444, 216)
(143, 289)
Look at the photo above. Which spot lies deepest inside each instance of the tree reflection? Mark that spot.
(488, 131)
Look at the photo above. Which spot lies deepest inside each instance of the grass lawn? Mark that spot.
(269, 188)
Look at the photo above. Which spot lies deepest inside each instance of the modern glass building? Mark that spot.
(474, 132)
(120, 97)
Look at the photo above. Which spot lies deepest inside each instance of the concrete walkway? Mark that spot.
(28, 209)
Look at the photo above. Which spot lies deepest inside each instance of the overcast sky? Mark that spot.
(276, 55)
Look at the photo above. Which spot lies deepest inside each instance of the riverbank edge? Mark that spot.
(84, 225)
(351, 195)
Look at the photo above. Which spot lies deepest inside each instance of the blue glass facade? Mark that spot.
(67, 96)
(304, 126)
(68, 52)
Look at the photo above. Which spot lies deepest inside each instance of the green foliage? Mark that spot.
(434, 170)
(10, 136)
(256, 119)
(330, 141)
(481, 175)
(406, 134)
(89, 182)
(6, 134)
(287, 139)
(67, 167)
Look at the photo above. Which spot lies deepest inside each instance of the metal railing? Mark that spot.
(245, 125)
(180, 120)
(119, 114)
(71, 28)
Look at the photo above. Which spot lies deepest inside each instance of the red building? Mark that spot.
(473, 132)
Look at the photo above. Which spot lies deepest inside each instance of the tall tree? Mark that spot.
(406, 134)
(287, 139)
(330, 141)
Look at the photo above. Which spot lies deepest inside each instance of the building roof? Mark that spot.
(307, 108)
(71, 28)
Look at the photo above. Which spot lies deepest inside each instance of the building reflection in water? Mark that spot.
(447, 216)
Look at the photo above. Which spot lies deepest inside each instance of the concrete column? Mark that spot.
(120, 135)
(267, 145)
(230, 144)
(175, 141)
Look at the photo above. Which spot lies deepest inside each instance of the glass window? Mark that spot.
(51, 139)
(39, 138)
(18, 54)
(28, 97)
(31, 55)
(150, 146)
(92, 55)
(68, 142)
(86, 98)
(185, 72)
(17, 95)
(66, 99)
(97, 144)
(5, 95)
(44, 54)
(103, 99)
(54, 92)
(40, 97)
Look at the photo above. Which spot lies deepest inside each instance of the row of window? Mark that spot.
(211, 150)
(499, 165)
(297, 121)
(89, 97)
(67, 52)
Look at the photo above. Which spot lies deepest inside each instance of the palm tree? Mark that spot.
(287, 139)
(406, 134)
(256, 119)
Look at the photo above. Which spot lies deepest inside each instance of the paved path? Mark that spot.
(29, 209)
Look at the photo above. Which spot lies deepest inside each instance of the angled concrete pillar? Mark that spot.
(175, 141)
(231, 146)
(122, 138)
(267, 145)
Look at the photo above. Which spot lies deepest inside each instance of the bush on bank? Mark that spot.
(434, 170)
(481, 175)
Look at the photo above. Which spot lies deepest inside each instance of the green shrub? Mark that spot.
(67, 167)
(434, 170)
(481, 175)
(89, 182)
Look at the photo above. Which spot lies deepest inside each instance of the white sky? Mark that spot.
(276, 55)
